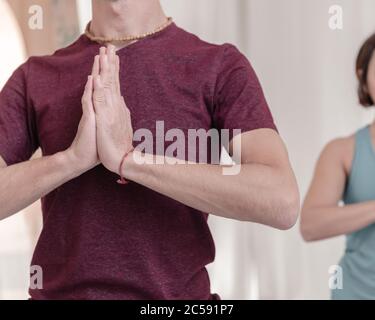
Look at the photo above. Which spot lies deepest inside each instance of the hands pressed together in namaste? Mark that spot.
(105, 131)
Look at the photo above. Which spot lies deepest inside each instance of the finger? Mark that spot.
(114, 70)
(98, 95)
(96, 67)
(104, 67)
(90, 88)
(108, 95)
(87, 105)
(117, 74)
(111, 52)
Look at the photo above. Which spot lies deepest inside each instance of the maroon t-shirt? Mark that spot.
(101, 240)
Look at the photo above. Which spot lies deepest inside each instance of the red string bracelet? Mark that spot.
(122, 179)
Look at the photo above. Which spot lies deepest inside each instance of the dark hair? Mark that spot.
(362, 65)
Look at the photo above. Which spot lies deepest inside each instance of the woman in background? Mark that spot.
(346, 172)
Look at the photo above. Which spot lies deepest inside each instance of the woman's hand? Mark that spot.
(113, 122)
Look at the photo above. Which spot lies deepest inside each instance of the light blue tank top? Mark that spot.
(358, 262)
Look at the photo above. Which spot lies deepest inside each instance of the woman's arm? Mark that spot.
(322, 216)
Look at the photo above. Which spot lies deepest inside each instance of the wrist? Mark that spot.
(128, 167)
(135, 164)
(70, 163)
(121, 169)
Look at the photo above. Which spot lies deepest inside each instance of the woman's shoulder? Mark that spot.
(341, 151)
(342, 143)
(345, 144)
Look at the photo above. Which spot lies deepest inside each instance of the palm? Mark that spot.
(113, 122)
(84, 146)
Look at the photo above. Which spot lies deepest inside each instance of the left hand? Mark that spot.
(113, 120)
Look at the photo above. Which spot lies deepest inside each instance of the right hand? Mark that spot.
(83, 151)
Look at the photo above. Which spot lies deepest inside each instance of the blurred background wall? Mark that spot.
(307, 72)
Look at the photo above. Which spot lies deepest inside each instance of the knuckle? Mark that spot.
(108, 83)
(98, 97)
(84, 100)
(84, 118)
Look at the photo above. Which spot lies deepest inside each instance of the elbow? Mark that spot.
(3, 215)
(280, 210)
(307, 227)
(287, 204)
(306, 231)
(307, 238)
(288, 213)
(4, 211)
(306, 235)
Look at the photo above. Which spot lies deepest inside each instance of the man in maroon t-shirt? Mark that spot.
(136, 109)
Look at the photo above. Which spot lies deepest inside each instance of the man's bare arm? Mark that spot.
(24, 183)
(265, 191)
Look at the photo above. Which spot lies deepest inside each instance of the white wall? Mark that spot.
(84, 13)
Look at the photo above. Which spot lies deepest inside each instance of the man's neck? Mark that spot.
(120, 18)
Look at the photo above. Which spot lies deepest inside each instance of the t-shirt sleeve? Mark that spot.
(239, 101)
(18, 138)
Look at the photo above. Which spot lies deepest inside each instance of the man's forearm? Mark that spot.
(24, 183)
(259, 193)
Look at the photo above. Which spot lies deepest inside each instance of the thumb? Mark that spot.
(87, 105)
